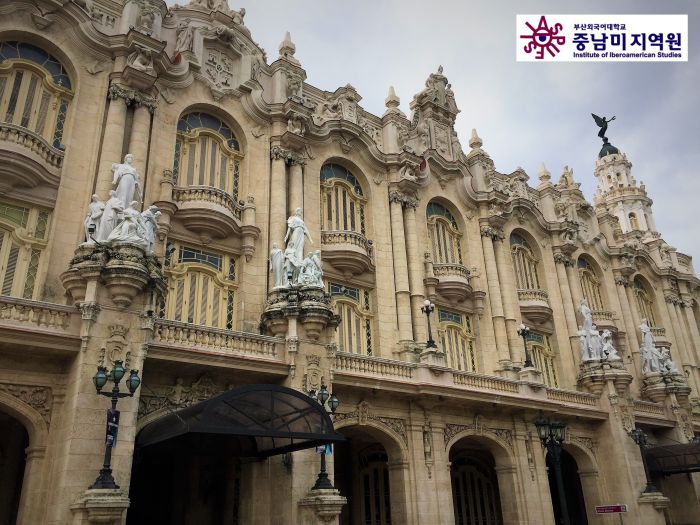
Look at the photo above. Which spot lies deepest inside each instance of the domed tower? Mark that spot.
(617, 188)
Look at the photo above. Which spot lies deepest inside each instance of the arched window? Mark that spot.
(342, 202)
(353, 305)
(525, 263)
(35, 91)
(207, 153)
(543, 358)
(457, 338)
(201, 288)
(590, 285)
(645, 302)
(20, 253)
(634, 224)
(444, 235)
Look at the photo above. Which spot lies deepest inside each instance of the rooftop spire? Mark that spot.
(287, 49)
(543, 174)
(475, 141)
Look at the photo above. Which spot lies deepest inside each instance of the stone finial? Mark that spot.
(392, 101)
(287, 49)
(475, 141)
(544, 175)
(440, 70)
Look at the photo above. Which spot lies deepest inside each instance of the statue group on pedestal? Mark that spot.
(118, 219)
(653, 358)
(290, 267)
(595, 346)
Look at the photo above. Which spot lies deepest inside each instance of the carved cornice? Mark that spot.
(495, 234)
(405, 200)
(132, 97)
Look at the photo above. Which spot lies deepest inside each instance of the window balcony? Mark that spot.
(452, 281)
(349, 252)
(27, 160)
(207, 211)
(534, 304)
(604, 319)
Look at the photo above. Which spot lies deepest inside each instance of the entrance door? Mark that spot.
(572, 489)
(475, 492)
(13, 440)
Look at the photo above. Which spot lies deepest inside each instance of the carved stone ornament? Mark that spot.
(494, 234)
(177, 396)
(585, 442)
(561, 258)
(313, 375)
(38, 397)
(363, 415)
(405, 200)
(131, 97)
(218, 69)
(503, 434)
(115, 348)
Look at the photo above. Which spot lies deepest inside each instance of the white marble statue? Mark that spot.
(93, 217)
(609, 351)
(131, 229)
(149, 220)
(650, 354)
(110, 217)
(185, 37)
(294, 251)
(126, 180)
(583, 342)
(586, 315)
(647, 338)
(666, 364)
(312, 270)
(595, 343)
(277, 267)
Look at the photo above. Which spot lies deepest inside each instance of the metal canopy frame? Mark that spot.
(252, 421)
(674, 459)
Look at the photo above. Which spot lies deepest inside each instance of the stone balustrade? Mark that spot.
(35, 313)
(533, 295)
(208, 194)
(330, 237)
(657, 331)
(32, 141)
(602, 315)
(647, 407)
(173, 333)
(572, 396)
(388, 368)
(486, 382)
(443, 270)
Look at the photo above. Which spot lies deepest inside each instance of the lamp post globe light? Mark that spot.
(428, 308)
(640, 438)
(552, 434)
(105, 480)
(322, 397)
(524, 332)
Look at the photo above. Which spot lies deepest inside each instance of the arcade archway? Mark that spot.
(573, 490)
(14, 439)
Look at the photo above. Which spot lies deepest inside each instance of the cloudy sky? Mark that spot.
(526, 113)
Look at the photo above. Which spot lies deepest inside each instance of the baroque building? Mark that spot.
(226, 298)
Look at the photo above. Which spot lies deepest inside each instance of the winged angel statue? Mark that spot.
(603, 125)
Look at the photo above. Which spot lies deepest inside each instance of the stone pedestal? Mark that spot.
(104, 506)
(433, 357)
(311, 305)
(656, 386)
(593, 376)
(651, 507)
(530, 375)
(321, 507)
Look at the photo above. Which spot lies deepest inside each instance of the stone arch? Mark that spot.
(640, 280)
(497, 446)
(31, 419)
(225, 116)
(396, 447)
(358, 172)
(452, 208)
(597, 271)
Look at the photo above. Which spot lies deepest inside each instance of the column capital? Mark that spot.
(289, 156)
(621, 280)
(131, 97)
(561, 258)
(406, 201)
(496, 234)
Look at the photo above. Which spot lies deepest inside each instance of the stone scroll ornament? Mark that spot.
(118, 219)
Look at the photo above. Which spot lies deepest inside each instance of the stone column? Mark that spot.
(415, 271)
(630, 327)
(29, 511)
(511, 302)
(574, 284)
(278, 196)
(398, 241)
(695, 338)
(140, 139)
(561, 262)
(296, 186)
(113, 139)
(682, 339)
(488, 236)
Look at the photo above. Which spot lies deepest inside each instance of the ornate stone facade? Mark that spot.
(228, 143)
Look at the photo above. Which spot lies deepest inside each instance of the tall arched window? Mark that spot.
(207, 153)
(23, 233)
(525, 263)
(543, 358)
(354, 306)
(590, 285)
(445, 237)
(201, 288)
(342, 202)
(645, 302)
(35, 91)
(457, 338)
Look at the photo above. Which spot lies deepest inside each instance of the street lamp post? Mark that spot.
(640, 438)
(105, 480)
(428, 308)
(551, 434)
(523, 332)
(323, 482)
